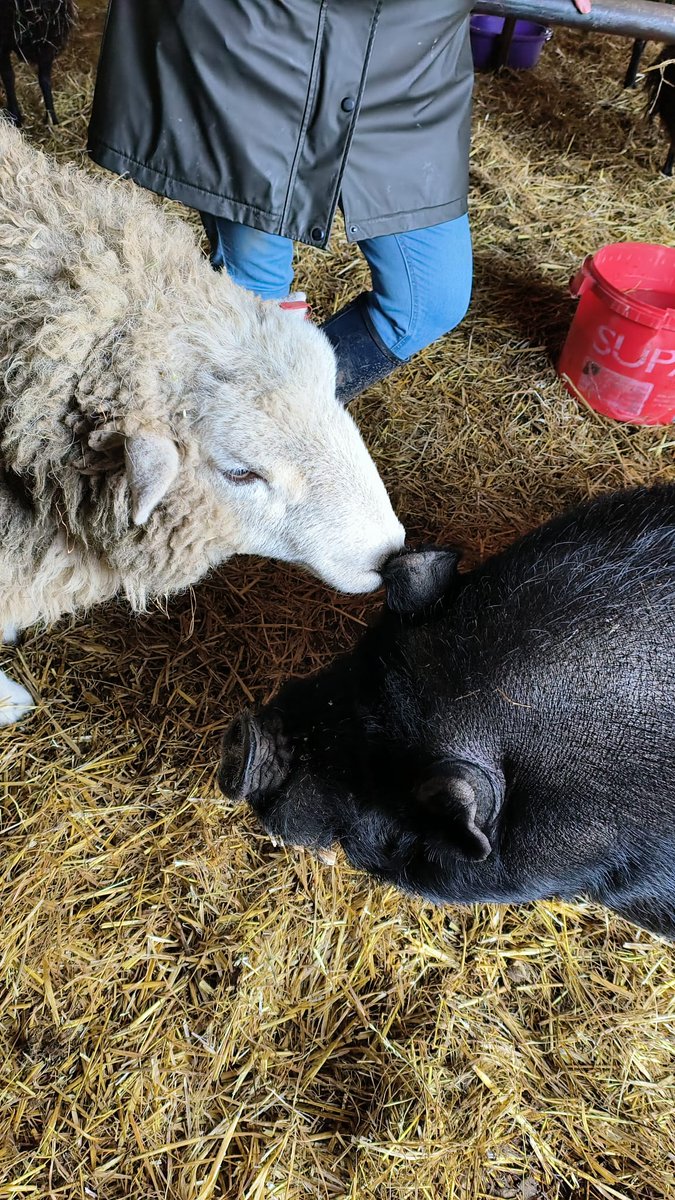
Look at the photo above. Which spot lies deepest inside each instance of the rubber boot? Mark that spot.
(362, 357)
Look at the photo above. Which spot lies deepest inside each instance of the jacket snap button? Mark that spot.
(348, 104)
(317, 234)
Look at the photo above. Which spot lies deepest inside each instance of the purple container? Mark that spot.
(526, 44)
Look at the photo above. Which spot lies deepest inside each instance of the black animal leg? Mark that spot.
(667, 168)
(7, 76)
(636, 55)
(45, 81)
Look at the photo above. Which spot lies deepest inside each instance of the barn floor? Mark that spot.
(187, 1012)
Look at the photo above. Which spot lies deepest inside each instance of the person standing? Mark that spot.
(268, 115)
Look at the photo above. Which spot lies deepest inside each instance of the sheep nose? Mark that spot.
(237, 758)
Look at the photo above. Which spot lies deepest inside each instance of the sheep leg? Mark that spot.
(7, 77)
(636, 55)
(45, 81)
(667, 168)
(15, 701)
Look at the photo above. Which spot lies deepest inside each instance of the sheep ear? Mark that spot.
(464, 801)
(152, 462)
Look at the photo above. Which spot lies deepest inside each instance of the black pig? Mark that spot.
(504, 734)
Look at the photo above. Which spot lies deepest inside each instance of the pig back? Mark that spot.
(556, 661)
(568, 641)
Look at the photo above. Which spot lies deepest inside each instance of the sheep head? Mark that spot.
(237, 431)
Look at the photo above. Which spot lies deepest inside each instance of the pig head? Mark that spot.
(339, 757)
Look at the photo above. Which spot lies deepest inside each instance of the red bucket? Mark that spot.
(620, 351)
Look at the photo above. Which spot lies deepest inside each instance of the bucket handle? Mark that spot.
(583, 279)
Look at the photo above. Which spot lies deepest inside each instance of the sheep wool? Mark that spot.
(95, 283)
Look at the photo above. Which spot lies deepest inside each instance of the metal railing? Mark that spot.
(643, 19)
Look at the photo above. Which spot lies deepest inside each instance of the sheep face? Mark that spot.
(277, 460)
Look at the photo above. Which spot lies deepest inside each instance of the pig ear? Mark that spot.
(464, 801)
(417, 579)
(152, 463)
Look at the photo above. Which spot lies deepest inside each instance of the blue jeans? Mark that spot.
(421, 280)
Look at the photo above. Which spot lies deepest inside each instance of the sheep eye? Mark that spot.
(241, 475)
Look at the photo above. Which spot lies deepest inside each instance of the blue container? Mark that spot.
(526, 45)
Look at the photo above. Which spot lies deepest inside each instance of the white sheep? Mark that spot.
(155, 418)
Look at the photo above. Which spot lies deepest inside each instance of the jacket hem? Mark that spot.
(218, 205)
(185, 193)
(405, 222)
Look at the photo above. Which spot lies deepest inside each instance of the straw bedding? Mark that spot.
(186, 1011)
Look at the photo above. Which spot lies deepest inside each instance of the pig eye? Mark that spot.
(241, 475)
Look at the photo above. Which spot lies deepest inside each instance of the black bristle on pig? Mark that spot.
(35, 31)
(660, 81)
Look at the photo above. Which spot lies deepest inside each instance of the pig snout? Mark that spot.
(235, 757)
(253, 759)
